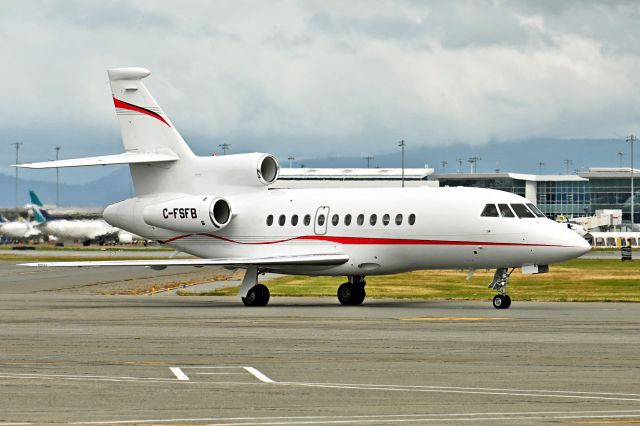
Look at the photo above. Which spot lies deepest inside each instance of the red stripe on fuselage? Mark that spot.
(131, 107)
(370, 241)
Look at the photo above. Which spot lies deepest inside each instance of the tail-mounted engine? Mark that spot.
(190, 214)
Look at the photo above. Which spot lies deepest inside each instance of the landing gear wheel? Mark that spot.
(501, 301)
(257, 296)
(358, 296)
(346, 293)
(351, 294)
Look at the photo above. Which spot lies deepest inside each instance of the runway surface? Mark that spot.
(68, 357)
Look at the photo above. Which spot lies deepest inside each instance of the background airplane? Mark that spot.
(222, 210)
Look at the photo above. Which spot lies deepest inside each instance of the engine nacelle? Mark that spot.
(189, 214)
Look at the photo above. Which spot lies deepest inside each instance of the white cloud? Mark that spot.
(307, 78)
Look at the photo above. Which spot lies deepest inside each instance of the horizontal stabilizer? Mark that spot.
(103, 160)
(309, 259)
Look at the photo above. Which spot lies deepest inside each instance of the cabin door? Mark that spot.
(322, 217)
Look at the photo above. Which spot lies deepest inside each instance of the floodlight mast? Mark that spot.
(402, 144)
(57, 148)
(17, 145)
(631, 139)
(368, 158)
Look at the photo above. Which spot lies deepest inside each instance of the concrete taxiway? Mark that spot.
(69, 357)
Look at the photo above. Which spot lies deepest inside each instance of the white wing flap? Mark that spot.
(103, 160)
(309, 259)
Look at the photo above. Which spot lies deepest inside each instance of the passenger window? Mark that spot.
(270, 220)
(373, 219)
(307, 220)
(335, 220)
(360, 219)
(385, 219)
(398, 219)
(490, 210)
(505, 211)
(632, 241)
(535, 210)
(294, 219)
(611, 242)
(412, 219)
(320, 220)
(282, 219)
(599, 241)
(521, 210)
(347, 219)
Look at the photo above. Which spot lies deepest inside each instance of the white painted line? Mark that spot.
(258, 375)
(467, 392)
(392, 418)
(178, 373)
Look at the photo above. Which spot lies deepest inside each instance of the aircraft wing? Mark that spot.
(308, 259)
(103, 160)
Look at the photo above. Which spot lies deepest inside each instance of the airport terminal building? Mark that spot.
(576, 195)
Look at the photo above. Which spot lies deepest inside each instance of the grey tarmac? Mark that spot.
(83, 358)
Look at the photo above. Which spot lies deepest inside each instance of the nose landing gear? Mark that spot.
(352, 292)
(499, 283)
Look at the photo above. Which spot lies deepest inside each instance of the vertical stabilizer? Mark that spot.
(144, 126)
(35, 200)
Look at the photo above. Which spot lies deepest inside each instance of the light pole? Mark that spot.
(368, 158)
(291, 161)
(402, 144)
(620, 154)
(17, 145)
(57, 177)
(225, 147)
(631, 139)
(540, 164)
(567, 163)
(444, 165)
(459, 160)
(474, 163)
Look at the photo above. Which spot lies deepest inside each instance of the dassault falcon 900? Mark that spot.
(222, 210)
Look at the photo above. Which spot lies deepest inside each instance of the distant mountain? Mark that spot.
(519, 156)
(113, 187)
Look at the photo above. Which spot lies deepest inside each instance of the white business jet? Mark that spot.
(222, 210)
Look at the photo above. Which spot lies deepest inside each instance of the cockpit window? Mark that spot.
(522, 211)
(490, 210)
(535, 210)
(505, 211)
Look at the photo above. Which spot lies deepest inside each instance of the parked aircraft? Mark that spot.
(220, 208)
(85, 230)
(20, 229)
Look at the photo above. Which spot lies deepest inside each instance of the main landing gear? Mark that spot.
(252, 293)
(258, 295)
(352, 292)
(499, 283)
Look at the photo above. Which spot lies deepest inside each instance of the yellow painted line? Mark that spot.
(454, 319)
(606, 422)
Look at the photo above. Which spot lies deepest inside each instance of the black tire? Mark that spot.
(498, 301)
(358, 296)
(263, 290)
(257, 296)
(507, 302)
(345, 293)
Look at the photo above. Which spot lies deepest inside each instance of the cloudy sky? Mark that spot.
(318, 78)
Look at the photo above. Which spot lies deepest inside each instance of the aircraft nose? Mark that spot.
(577, 244)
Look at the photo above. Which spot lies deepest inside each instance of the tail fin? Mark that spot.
(144, 126)
(34, 199)
(40, 215)
(3, 219)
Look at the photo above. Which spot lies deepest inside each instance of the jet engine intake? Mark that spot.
(190, 214)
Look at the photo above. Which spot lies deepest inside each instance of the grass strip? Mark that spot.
(580, 280)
